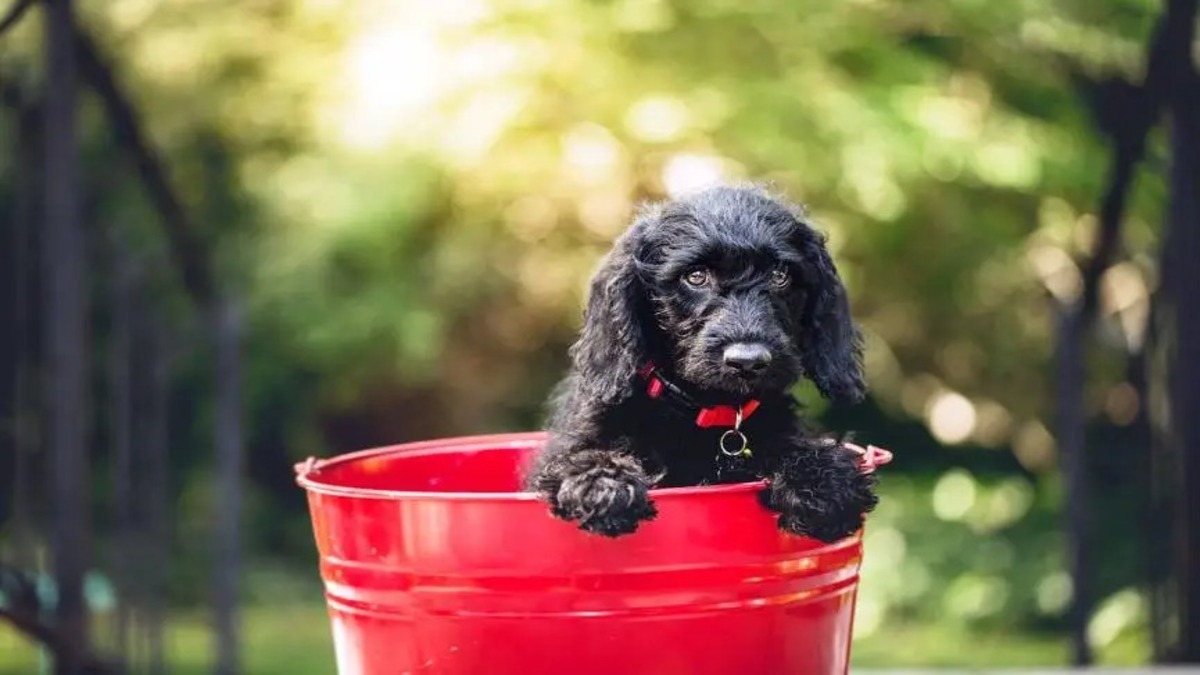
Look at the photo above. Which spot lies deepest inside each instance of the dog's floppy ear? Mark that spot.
(832, 344)
(612, 345)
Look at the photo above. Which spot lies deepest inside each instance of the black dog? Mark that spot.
(699, 321)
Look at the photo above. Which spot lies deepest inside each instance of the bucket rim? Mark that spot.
(872, 457)
(307, 472)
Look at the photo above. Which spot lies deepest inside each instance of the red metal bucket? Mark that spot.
(434, 563)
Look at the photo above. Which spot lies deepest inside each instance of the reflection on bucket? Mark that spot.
(433, 563)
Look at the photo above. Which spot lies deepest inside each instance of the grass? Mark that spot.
(910, 646)
(285, 640)
(295, 640)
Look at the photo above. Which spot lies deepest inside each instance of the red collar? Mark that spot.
(658, 386)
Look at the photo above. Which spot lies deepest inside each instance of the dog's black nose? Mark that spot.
(748, 357)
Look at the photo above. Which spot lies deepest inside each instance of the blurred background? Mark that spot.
(260, 231)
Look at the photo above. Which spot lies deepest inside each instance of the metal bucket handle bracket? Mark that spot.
(873, 456)
(308, 467)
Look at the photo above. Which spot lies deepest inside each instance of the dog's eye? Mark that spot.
(696, 278)
(780, 277)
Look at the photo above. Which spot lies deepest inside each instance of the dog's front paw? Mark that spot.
(805, 513)
(821, 494)
(610, 497)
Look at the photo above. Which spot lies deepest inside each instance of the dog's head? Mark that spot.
(728, 288)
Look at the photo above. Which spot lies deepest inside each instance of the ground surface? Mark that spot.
(294, 640)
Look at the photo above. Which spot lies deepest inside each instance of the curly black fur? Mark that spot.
(767, 280)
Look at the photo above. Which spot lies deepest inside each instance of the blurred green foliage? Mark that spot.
(412, 195)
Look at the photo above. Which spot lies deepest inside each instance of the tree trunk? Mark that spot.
(64, 266)
(24, 333)
(1183, 251)
(1071, 420)
(120, 393)
(226, 322)
(158, 488)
